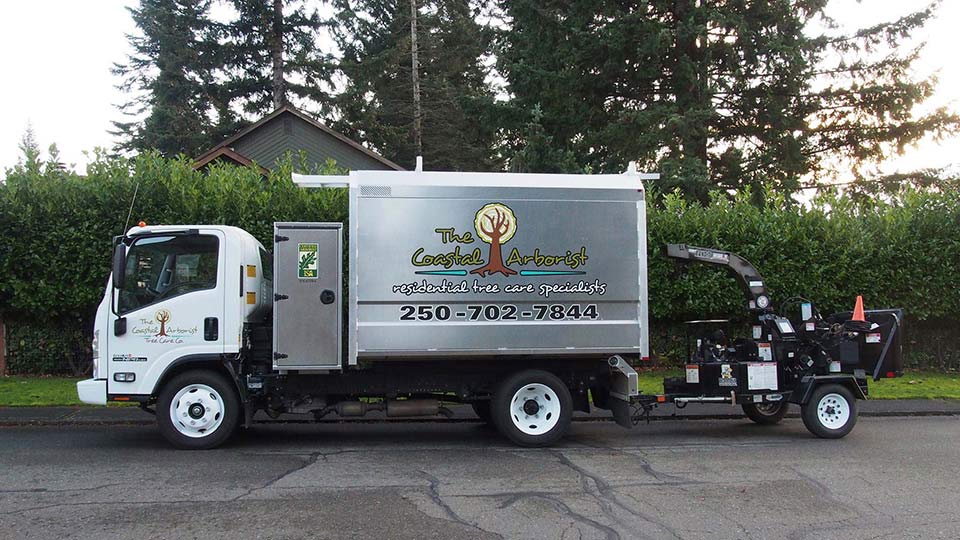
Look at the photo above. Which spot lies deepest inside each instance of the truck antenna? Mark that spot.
(130, 211)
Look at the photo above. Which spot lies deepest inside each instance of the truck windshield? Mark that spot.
(162, 267)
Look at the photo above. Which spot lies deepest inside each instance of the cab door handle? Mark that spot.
(210, 329)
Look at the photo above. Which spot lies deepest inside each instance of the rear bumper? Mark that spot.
(93, 391)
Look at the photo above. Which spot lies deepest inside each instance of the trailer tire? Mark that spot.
(831, 411)
(532, 408)
(766, 414)
(198, 410)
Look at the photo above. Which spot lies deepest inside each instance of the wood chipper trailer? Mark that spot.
(519, 294)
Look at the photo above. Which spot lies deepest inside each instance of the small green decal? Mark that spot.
(307, 261)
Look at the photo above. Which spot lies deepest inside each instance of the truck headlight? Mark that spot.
(95, 346)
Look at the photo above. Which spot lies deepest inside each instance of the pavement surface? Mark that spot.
(892, 477)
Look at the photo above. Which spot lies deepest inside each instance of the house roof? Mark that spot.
(222, 152)
(225, 146)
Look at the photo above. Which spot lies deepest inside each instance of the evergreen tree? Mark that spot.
(714, 93)
(376, 105)
(177, 104)
(272, 54)
(30, 150)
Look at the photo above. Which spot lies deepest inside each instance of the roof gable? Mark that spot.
(313, 130)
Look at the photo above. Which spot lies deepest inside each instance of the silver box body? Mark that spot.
(591, 243)
(425, 279)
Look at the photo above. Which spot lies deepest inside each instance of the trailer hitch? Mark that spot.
(641, 411)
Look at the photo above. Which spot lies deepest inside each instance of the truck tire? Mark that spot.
(766, 414)
(831, 412)
(532, 408)
(198, 410)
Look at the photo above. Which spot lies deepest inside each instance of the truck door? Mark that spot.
(307, 309)
(171, 306)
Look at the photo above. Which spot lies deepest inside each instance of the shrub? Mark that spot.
(56, 230)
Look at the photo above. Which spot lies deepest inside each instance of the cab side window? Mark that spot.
(163, 267)
(266, 261)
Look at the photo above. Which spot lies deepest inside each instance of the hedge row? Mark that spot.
(56, 229)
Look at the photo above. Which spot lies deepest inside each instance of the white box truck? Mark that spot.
(523, 295)
(510, 292)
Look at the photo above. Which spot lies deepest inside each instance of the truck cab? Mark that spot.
(183, 298)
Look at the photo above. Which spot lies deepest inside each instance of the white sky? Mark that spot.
(56, 55)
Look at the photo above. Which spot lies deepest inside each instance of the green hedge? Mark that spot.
(61, 347)
(903, 253)
(56, 229)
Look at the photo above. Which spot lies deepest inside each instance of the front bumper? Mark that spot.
(93, 391)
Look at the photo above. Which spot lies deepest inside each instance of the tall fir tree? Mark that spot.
(714, 93)
(376, 104)
(272, 55)
(177, 104)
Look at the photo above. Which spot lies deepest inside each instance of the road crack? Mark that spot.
(433, 491)
(605, 496)
(563, 507)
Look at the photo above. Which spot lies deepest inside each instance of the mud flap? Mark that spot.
(621, 413)
(624, 388)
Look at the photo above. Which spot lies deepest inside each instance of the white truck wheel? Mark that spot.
(532, 408)
(198, 410)
(831, 412)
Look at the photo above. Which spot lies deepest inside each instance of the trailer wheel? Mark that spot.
(197, 410)
(532, 408)
(831, 412)
(766, 414)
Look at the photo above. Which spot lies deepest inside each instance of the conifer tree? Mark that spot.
(273, 55)
(376, 104)
(177, 106)
(715, 93)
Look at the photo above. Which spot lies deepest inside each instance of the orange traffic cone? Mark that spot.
(858, 311)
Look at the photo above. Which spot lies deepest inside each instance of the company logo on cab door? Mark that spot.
(160, 330)
(495, 224)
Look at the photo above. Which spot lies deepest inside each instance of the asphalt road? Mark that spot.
(891, 478)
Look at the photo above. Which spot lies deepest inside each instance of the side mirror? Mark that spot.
(119, 265)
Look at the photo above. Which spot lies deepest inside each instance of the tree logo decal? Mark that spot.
(495, 224)
(163, 317)
(307, 266)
